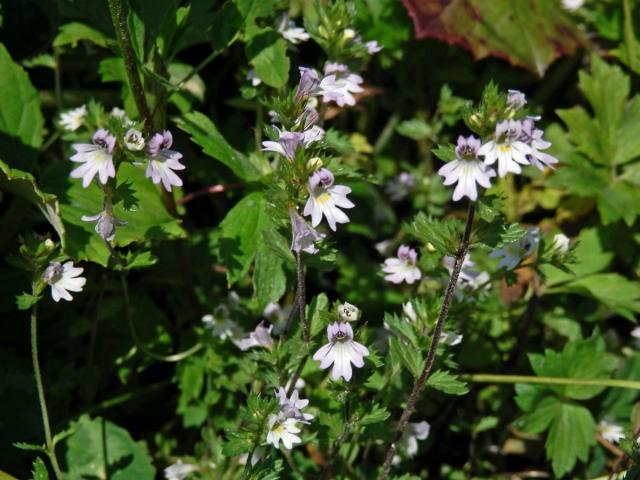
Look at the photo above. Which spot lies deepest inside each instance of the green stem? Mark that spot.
(595, 382)
(629, 35)
(51, 451)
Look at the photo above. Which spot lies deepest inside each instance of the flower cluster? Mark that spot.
(283, 426)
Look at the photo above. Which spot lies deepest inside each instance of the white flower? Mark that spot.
(451, 338)
(635, 333)
(408, 444)
(400, 186)
(73, 119)
(506, 148)
(260, 337)
(348, 312)
(560, 243)
(611, 432)
(513, 253)
(253, 78)
(516, 99)
(292, 407)
(219, 323)
(134, 140)
(95, 158)
(533, 138)
(373, 47)
(409, 312)
(163, 161)
(288, 142)
(179, 470)
(283, 429)
(118, 113)
(339, 85)
(341, 351)
(290, 32)
(106, 224)
(467, 170)
(383, 247)
(255, 458)
(308, 85)
(572, 5)
(325, 198)
(304, 235)
(403, 267)
(62, 279)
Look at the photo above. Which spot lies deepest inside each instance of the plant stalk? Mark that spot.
(595, 382)
(435, 340)
(51, 450)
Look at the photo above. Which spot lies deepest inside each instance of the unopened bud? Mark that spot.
(314, 163)
(348, 312)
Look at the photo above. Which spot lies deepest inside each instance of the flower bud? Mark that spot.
(314, 163)
(349, 34)
(560, 243)
(134, 140)
(348, 312)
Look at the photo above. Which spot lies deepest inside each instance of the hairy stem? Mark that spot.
(119, 19)
(596, 382)
(51, 450)
(301, 296)
(435, 340)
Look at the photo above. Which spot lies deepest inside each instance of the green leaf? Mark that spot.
(497, 233)
(21, 121)
(620, 200)
(406, 354)
(254, 9)
(225, 26)
(447, 382)
(101, 449)
(415, 129)
(30, 447)
(72, 33)
(500, 28)
(401, 327)
(377, 414)
(269, 279)
(25, 301)
(267, 54)
(204, 133)
(40, 471)
(446, 153)
(240, 234)
(443, 234)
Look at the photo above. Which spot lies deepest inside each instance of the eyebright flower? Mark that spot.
(572, 5)
(292, 407)
(507, 148)
(341, 351)
(611, 432)
(288, 142)
(179, 470)
(513, 253)
(516, 99)
(106, 224)
(282, 428)
(400, 186)
(468, 278)
(348, 312)
(560, 243)
(339, 85)
(95, 158)
(403, 267)
(533, 138)
(163, 161)
(373, 47)
(72, 120)
(635, 333)
(325, 198)
(134, 140)
(253, 78)
(304, 235)
(307, 119)
(466, 170)
(219, 323)
(260, 337)
(62, 279)
(309, 82)
(409, 312)
(290, 32)
(416, 431)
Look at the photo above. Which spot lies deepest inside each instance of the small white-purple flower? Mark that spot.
(516, 99)
(373, 47)
(291, 407)
(106, 224)
(533, 138)
(134, 140)
(341, 351)
(283, 429)
(561, 243)
(339, 85)
(64, 278)
(220, 324)
(163, 161)
(260, 337)
(469, 277)
(400, 186)
(72, 120)
(253, 78)
(610, 431)
(506, 148)
(403, 267)
(467, 170)
(290, 31)
(289, 142)
(513, 253)
(325, 198)
(348, 312)
(179, 470)
(95, 158)
(308, 85)
(304, 235)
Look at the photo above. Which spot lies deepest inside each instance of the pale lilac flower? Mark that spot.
(451, 338)
(516, 99)
(179, 470)
(258, 454)
(635, 333)
(290, 32)
(118, 113)
(220, 324)
(72, 120)
(611, 432)
(308, 118)
(304, 235)
(560, 243)
(106, 224)
(339, 85)
(400, 186)
(416, 431)
(383, 247)
(533, 138)
(373, 47)
(95, 158)
(63, 279)
(134, 140)
(403, 267)
(292, 407)
(466, 170)
(163, 161)
(409, 312)
(309, 82)
(325, 198)
(341, 351)
(313, 134)
(253, 78)
(513, 253)
(506, 148)
(468, 276)
(289, 142)
(572, 5)
(282, 429)
(348, 312)
(260, 337)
